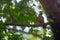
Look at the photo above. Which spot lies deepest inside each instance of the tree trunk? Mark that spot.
(52, 7)
(56, 31)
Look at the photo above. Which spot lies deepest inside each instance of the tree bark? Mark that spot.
(52, 7)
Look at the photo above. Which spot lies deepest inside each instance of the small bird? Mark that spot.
(41, 19)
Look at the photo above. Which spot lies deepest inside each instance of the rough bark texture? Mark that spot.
(52, 7)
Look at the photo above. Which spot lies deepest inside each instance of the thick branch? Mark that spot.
(29, 25)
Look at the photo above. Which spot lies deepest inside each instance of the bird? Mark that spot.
(40, 19)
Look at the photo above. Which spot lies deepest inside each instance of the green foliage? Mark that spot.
(18, 13)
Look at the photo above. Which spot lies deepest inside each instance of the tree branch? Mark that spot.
(29, 25)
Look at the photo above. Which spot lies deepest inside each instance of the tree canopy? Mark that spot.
(18, 20)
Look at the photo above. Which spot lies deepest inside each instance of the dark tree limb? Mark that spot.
(29, 25)
(52, 7)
